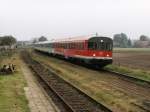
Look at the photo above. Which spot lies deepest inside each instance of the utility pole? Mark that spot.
(96, 34)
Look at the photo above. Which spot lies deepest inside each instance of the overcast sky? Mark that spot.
(26, 19)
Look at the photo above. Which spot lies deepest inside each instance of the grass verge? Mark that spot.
(12, 96)
(137, 73)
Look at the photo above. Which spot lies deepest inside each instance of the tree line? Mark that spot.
(40, 39)
(123, 41)
(7, 40)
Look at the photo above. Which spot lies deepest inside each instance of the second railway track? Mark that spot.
(124, 76)
(130, 78)
(72, 98)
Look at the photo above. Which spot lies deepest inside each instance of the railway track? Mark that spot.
(139, 81)
(126, 76)
(72, 99)
(136, 88)
(121, 75)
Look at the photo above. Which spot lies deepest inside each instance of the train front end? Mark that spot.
(100, 51)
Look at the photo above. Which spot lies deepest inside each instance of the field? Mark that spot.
(132, 61)
(131, 49)
(12, 97)
(134, 58)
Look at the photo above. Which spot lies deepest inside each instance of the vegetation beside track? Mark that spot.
(12, 96)
(137, 73)
(74, 99)
(91, 82)
(6, 54)
(132, 61)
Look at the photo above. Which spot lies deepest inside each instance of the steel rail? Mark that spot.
(74, 99)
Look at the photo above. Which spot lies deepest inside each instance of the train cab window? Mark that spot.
(100, 46)
(92, 45)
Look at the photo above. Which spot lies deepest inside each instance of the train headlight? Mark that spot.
(107, 55)
(94, 54)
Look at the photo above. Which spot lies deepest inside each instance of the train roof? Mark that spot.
(70, 39)
(44, 42)
(78, 38)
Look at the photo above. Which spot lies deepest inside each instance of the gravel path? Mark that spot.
(38, 102)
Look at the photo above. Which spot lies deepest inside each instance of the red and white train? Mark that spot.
(95, 50)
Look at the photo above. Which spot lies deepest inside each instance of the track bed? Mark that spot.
(72, 98)
(122, 94)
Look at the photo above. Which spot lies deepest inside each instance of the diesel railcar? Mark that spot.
(95, 50)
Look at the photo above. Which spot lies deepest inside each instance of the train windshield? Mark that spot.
(100, 43)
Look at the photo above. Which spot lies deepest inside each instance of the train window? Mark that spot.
(62, 45)
(68, 45)
(105, 46)
(102, 46)
(71, 45)
(47, 45)
(108, 47)
(79, 45)
(53, 45)
(50, 45)
(76, 45)
(92, 45)
(65, 46)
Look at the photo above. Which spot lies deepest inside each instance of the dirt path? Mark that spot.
(38, 102)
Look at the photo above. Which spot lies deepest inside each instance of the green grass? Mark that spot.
(12, 95)
(5, 54)
(141, 74)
